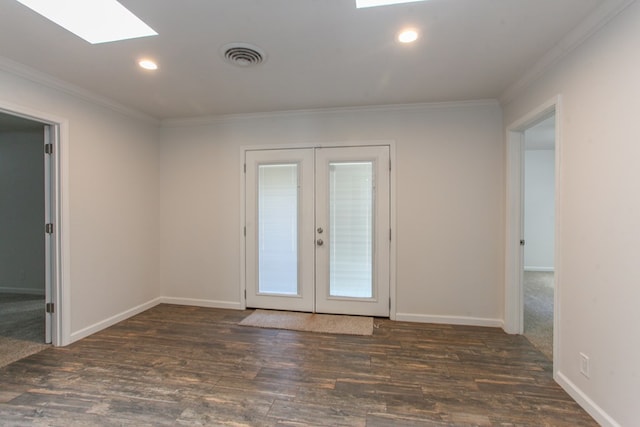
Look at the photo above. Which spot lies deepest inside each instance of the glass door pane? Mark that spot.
(351, 229)
(278, 229)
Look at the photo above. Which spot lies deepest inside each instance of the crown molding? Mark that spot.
(387, 108)
(588, 27)
(38, 77)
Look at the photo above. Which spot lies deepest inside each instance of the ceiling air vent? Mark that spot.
(243, 54)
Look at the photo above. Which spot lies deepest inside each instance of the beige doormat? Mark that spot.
(310, 322)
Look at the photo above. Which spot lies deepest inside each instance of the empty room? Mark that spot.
(316, 166)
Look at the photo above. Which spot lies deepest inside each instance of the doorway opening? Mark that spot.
(32, 273)
(24, 324)
(539, 220)
(317, 229)
(532, 276)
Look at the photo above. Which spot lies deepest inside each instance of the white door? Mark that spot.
(279, 229)
(318, 230)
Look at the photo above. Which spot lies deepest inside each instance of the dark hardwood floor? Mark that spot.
(175, 365)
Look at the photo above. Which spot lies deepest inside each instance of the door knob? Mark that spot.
(319, 242)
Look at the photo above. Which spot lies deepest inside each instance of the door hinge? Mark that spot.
(245, 168)
(48, 148)
(49, 307)
(389, 234)
(389, 164)
(522, 242)
(245, 231)
(48, 228)
(245, 294)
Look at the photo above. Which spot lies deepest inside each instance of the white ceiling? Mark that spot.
(321, 53)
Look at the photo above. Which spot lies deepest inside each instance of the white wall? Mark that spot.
(539, 215)
(113, 195)
(599, 288)
(22, 211)
(449, 203)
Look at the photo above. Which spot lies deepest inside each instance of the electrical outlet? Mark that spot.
(584, 365)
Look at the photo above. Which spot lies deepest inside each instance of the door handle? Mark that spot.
(319, 242)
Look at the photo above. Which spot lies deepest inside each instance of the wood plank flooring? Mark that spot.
(189, 366)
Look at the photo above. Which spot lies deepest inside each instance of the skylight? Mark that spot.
(373, 3)
(96, 21)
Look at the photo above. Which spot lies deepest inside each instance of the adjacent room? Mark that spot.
(210, 160)
(22, 248)
(539, 234)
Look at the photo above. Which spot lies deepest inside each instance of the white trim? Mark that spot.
(393, 264)
(61, 326)
(46, 80)
(242, 286)
(450, 320)
(535, 116)
(103, 324)
(10, 290)
(536, 268)
(330, 144)
(589, 26)
(417, 107)
(557, 310)
(62, 225)
(231, 305)
(585, 402)
(514, 255)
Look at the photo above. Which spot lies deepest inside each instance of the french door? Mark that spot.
(318, 229)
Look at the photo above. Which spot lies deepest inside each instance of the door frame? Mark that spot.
(392, 208)
(514, 231)
(57, 186)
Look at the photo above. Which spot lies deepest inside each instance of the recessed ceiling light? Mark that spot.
(148, 64)
(96, 21)
(372, 3)
(408, 36)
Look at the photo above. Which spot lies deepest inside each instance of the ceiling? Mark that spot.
(320, 53)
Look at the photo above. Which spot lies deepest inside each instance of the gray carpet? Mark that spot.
(538, 310)
(21, 326)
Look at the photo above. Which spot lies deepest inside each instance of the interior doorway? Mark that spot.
(539, 221)
(318, 229)
(515, 243)
(25, 325)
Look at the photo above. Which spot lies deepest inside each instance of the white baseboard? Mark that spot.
(103, 324)
(534, 268)
(583, 400)
(232, 305)
(11, 290)
(450, 320)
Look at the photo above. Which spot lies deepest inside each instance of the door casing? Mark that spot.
(514, 232)
(57, 211)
